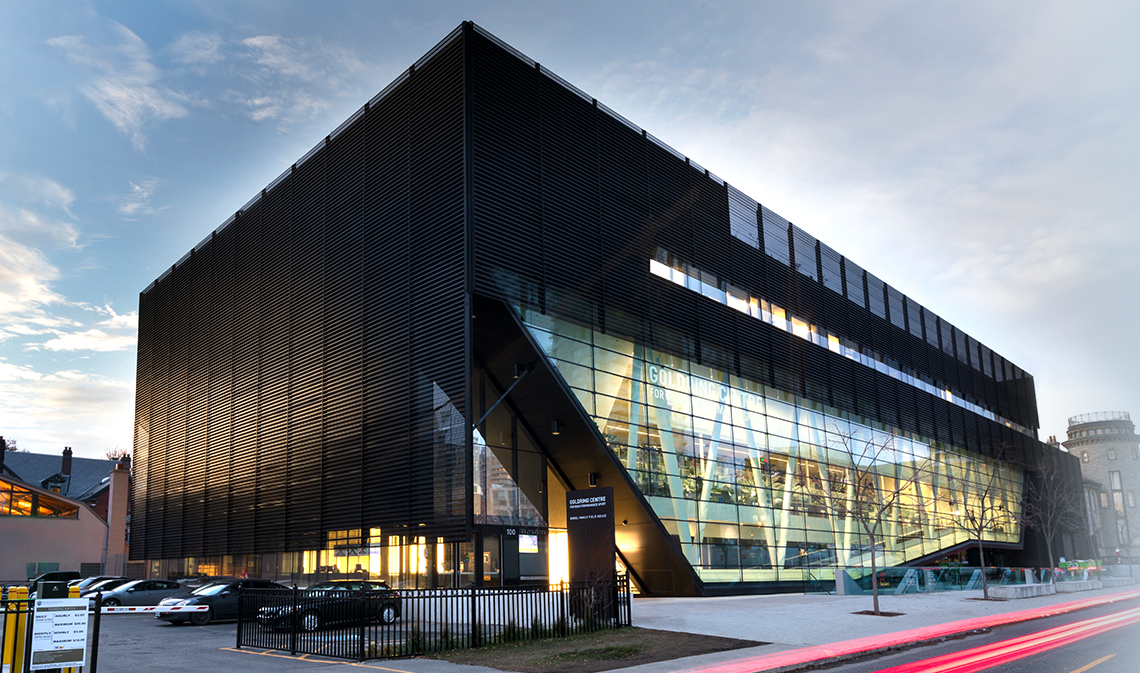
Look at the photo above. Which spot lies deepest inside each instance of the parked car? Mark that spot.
(200, 580)
(106, 585)
(141, 592)
(50, 576)
(88, 582)
(220, 595)
(333, 602)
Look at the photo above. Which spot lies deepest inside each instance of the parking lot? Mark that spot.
(130, 643)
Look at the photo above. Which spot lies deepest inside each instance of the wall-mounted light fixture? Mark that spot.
(554, 429)
(593, 479)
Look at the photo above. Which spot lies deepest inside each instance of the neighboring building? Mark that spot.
(82, 479)
(43, 531)
(63, 514)
(486, 289)
(1109, 452)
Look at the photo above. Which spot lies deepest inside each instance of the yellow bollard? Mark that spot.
(9, 640)
(23, 608)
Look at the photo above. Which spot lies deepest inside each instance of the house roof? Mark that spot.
(88, 475)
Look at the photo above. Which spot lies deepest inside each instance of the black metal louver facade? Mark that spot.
(292, 367)
(309, 367)
(570, 203)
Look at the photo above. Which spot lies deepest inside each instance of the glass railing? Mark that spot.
(901, 580)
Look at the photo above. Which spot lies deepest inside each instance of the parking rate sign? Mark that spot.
(59, 633)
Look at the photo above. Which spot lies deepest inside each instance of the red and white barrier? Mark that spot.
(158, 608)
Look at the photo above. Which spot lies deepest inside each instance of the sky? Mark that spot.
(980, 157)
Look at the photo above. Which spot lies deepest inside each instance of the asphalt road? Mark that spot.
(1106, 650)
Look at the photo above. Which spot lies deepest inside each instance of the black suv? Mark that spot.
(220, 595)
(334, 602)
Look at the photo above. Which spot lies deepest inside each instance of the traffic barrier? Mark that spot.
(157, 608)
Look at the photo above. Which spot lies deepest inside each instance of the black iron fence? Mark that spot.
(386, 624)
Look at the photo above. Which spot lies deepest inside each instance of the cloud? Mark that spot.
(36, 189)
(137, 200)
(292, 79)
(27, 226)
(11, 372)
(67, 407)
(126, 93)
(117, 321)
(25, 277)
(89, 340)
(24, 223)
(196, 48)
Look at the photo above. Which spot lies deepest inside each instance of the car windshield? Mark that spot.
(106, 584)
(211, 589)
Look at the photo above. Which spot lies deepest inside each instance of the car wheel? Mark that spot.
(201, 618)
(388, 613)
(310, 621)
(111, 602)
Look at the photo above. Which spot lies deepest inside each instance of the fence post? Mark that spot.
(95, 636)
(239, 616)
(563, 623)
(294, 622)
(25, 627)
(472, 635)
(363, 619)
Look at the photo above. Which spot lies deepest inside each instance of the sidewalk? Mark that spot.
(803, 629)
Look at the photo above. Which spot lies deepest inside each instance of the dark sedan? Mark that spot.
(335, 602)
(220, 595)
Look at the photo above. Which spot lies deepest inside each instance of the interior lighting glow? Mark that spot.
(558, 551)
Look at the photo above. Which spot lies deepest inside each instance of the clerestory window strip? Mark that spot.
(686, 275)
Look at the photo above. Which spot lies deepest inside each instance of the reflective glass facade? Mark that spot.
(748, 478)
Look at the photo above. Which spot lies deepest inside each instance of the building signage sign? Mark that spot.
(59, 633)
(590, 533)
(665, 380)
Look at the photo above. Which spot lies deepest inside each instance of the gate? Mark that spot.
(387, 624)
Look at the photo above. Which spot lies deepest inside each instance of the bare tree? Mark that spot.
(10, 444)
(984, 505)
(871, 490)
(1053, 501)
(115, 453)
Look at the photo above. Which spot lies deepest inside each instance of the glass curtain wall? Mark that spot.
(751, 480)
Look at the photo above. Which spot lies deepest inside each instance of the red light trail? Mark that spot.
(995, 654)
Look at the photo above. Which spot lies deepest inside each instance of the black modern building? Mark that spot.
(485, 289)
